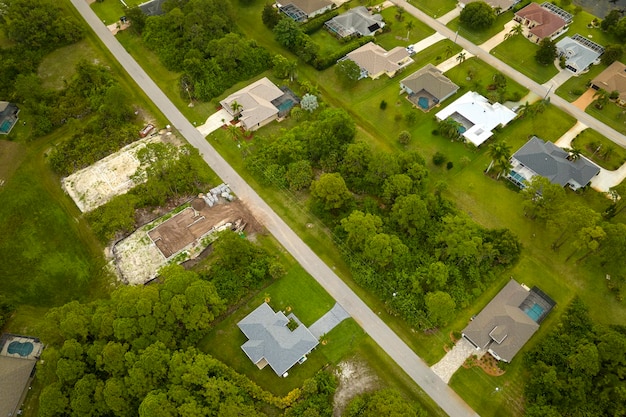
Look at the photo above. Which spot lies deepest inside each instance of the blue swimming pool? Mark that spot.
(21, 348)
(6, 126)
(423, 102)
(285, 105)
(534, 312)
(461, 129)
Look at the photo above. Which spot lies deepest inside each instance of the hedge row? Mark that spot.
(322, 62)
(317, 23)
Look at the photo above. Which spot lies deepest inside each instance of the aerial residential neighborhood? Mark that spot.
(312, 208)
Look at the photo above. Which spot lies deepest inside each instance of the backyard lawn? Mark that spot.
(519, 53)
(478, 37)
(600, 150)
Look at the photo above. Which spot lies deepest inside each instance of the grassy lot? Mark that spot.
(481, 36)
(519, 53)
(612, 115)
(573, 88)
(60, 65)
(110, 11)
(600, 150)
(397, 35)
(435, 8)
(597, 35)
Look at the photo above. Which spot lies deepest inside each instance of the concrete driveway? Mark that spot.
(454, 359)
(567, 138)
(215, 121)
(328, 321)
(498, 38)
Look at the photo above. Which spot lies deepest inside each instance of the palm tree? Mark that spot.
(449, 50)
(460, 57)
(234, 132)
(290, 69)
(515, 31)
(574, 153)
(522, 110)
(499, 152)
(236, 107)
(503, 167)
(409, 26)
(400, 13)
(602, 98)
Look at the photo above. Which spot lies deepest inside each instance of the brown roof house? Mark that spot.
(253, 104)
(18, 357)
(301, 10)
(500, 6)
(509, 320)
(612, 79)
(375, 61)
(542, 22)
(8, 116)
(271, 341)
(428, 87)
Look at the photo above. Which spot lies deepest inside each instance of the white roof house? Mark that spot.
(255, 103)
(477, 116)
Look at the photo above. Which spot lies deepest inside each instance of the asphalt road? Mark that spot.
(413, 365)
(536, 88)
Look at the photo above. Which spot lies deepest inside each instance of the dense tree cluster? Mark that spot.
(546, 53)
(385, 402)
(401, 237)
(198, 38)
(615, 23)
(6, 310)
(578, 369)
(477, 15)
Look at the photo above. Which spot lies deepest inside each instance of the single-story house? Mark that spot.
(544, 158)
(542, 21)
(301, 10)
(8, 116)
(500, 6)
(152, 7)
(272, 343)
(428, 87)
(253, 104)
(509, 320)
(477, 116)
(375, 61)
(18, 357)
(355, 22)
(612, 79)
(579, 52)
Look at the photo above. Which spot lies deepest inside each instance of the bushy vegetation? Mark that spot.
(577, 369)
(385, 402)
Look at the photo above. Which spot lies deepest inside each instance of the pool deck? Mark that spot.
(36, 352)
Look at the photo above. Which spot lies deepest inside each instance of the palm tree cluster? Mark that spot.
(500, 154)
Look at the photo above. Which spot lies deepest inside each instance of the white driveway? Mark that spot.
(567, 138)
(453, 61)
(556, 81)
(453, 360)
(429, 41)
(607, 179)
(215, 121)
(498, 38)
(451, 15)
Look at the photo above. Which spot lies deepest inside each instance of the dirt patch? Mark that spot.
(585, 99)
(355, 378)
(176, 237)
(11, 155)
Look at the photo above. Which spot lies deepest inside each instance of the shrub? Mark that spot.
(383, 105)
(317, 23)
(439, 159)
(322, 62)
(449, 165)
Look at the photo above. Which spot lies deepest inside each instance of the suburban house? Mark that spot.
(355, 22)
(500, 6)
(538, 157)
(509, 320)
(259, 103)
(18, 357)
(375, 61)
(272, 343)
(579, 52)
(301, 10)
(477, 116)
(152, 7)
(612, 79)
(545, 21)
(428, 87)
(8, 116)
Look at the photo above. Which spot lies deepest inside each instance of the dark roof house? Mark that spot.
(540, 21)
(509, 320)
(18, 357)
(612, 79)
(538, 157)
(300, 10)
(8, 116)
(354, 22)
(272, 343)
(430, 83)
(152, 7)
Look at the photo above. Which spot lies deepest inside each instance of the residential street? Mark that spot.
(483, 54)
(447, 399)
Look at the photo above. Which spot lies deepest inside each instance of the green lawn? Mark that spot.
(573, 88)
(597, 35)
(519, 53)
(481, 36)
(397, 35)
(600, 150)
(60, 65)
(435, 8)
(110, 11)
(612, 115)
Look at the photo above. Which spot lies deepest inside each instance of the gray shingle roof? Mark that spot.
(271, 339)
(357, 20)
(431, 79)
(310, 6)
(152, 7)
(550, 161)
(14, 377)
(578, 51)
(502, 326)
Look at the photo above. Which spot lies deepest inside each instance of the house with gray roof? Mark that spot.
(579, 52)
(355, 22)
(8, 116)
(301, 10)
(253, 104)
(152, 7)
(509, 320)
(538, 157)
(428, 87)
(374, 60)
(272, 343)
(18, 357)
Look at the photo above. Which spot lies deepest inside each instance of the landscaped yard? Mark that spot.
(480, 36)
(519, 53)
(111, 11)
(573, 88)
(611, 115)
(397, 35)
(435, 8)
(600, 150)
(597, 35)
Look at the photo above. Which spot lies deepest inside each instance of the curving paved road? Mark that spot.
(540, 90)
(447, 399)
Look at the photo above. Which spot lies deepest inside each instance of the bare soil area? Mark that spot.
(355, 378)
